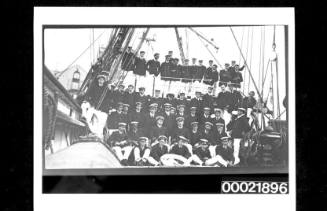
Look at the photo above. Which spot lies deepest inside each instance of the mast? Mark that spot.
(180, 45)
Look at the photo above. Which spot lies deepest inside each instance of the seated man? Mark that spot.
(195, 134)
(158, 150)
(201, 153)
(224, 155)
(140, 154)
(179, 148)
(180, 130)
(157, 130)
(120, 144)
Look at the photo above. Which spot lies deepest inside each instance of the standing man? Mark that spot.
(194, 69)
(238, 127)
(137, 115)
(249, 102)
(192, 117)
(115, 117)
(129, 96)
(141, 97)
(157, 99)
(224, 76)
(218, 117)
(158, 129)
(158, 150)
(223, 98)
(119, 143)
(197, 102)
(214, 75)
(195, 134)
(237, 77)
(205, 117)
(201, 69)
(128, 60)
(180, 130)
(235, 98)
(182, 100)
(208, 98)
(207, 73)
(153, 65)
(140, 65)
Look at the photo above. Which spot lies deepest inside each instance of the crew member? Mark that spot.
(140, 154)
(153, 65)
(158, 150)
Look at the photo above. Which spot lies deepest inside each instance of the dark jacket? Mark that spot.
(239, 127)
(157, 151)
(223, 99)
(155, 132)
(179, 132)
(115, 138)
(164, 70)
(153, 66)
(202, 154)
(226, 154)
(183, 151)
(139, 66)
(127, 61)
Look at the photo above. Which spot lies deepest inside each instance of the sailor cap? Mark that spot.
(160, 117)
(162, 137)
(101, 76)
(208, 123)
(179, 119)
(220, 124)
(206, 108)
(134, 122)
(194, 123)
(204, 140)
(241, 109)
(183, 138)
(167, 104)
(143, 138)
(122, 124)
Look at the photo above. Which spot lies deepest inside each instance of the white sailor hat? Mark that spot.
(179, 119)
(183, 138)
(173, 108)
(126, 105)
(180, 105)
(194, 123)
(206, 108)
(241, 109)
(193, 108)
(154, 105)
(120, 104)
(101, 76)
(138, 103)
(134, 122)
(208, 123)
(234, 112)
(167, 104)
(225, 138)
(143, 138)
(122, 124)
(204, 140)
(160, 117)
(121, 85)
(218, 109)
(220, 124)
(162, 137)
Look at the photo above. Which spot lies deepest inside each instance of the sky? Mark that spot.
(63, 46)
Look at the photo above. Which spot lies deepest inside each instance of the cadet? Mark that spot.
(137, 115)
(207, 73)
(208, 133)
(141, 97)
(174, 71)
(235, 99)
(223, 98)
(134, 132)
(171, 99)
(197, 102)
(185, 72)
(129, 96)
(205, 117)
(220, 132)
(223, 155)
(238, 127)
(237, 77)
(140, 65)
(224, 76)
(181, 111)
(201, 69)
(195, 134)
(201, 153)
(158, 129)
(95, 91)
(115, 117)
(128, 60)
(158, 150)
(192, 117)
(218, 117)
(208, 98)
(180, 130)
(164, 68)
(119, 95)
(180, 149)
(214, 75)
(193, 69)
(119, 142)
(153, 65)
(140, 154)
(182, 100)
(150, 119)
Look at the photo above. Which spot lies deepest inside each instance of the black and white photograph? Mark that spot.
(166, 98)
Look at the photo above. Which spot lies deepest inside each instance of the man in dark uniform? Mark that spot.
(194, 69)
(223, 98)
(180, 130)
(208, 133)
(119, 95)
(180, 149)
(197, 102)
(201, 69)
(220, 132)
(218, 117)
(201, 153)
(141, 97)
(107, 102)
(137, 115)
(214, 75)
(134, 132)
(126, 114)
(195, 134)
(249, 101)
(150, 120)
(223, 155)
(158, 129)
(182, 100)
(128, 60)
(192, 117)
(205, 117)
(119, 143)
(95, 91)
(164, 68)
(140, 154)
(208, 98)
(169, 118)
(158, 150)
(237, 77)
(115, 117)
(140, 65)
(181, 111)
(174, 71)
(235, 99)
(171, 99)
(238, 127)
(185, 72)
(129, 96)
(153, 65)
(224, 76)
(207, 73)
(157, 99)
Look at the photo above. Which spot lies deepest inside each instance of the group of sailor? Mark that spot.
(171, 70)
(206, 130)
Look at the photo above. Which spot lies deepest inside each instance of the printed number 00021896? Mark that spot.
(254, 187)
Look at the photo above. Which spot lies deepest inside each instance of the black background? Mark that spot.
(17, 96)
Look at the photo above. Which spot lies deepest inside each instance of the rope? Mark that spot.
(250, 58)
(245, 63)
(67, 68)
(247, 48)
(239, 61)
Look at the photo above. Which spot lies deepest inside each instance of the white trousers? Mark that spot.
(216, 160)
(122, 153)
(212, 150)
(236, 145)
